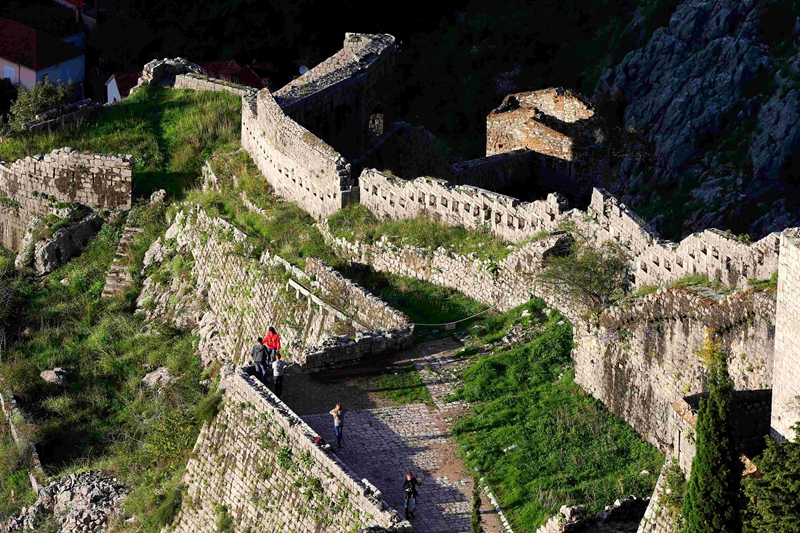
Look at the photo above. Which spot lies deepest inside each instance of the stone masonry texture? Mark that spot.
(31, 186)
(260, 461)
(786, 385)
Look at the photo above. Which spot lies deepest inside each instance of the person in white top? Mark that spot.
(278, 368)
(338, 422)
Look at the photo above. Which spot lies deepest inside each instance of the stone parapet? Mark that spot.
(197, 82)
(32, 186)
(267, 466)
(69, 115)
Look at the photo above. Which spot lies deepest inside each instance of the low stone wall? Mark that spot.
(264, 464)
(14, 417)
(657, 519)
(32, 186)
(67, 116)
(643, 356)
(196, 82)
(616, 517)
(505, 285)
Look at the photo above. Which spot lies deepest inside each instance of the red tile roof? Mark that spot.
(222, 70)
(247, 77)
(126, 81)
(33, 49)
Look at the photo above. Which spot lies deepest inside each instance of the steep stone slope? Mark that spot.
(716, 95)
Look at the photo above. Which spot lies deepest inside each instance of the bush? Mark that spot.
(772, 501)
(168, 510)
(208, 407)
(40, 98)
(593, 275)
(710, 504)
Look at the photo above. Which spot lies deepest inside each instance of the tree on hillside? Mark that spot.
(591, 274)
(712, 493)
(773, 501)
(43, 96)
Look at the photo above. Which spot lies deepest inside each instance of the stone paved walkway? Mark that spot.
(383, 444)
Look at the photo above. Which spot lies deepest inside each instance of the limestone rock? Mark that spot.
(57, 376)
(65, 244)
(159, 378)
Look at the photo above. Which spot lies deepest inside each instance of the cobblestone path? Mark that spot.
(383, 444)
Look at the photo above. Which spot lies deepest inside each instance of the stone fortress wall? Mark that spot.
(197, 82)
(259, 460)
(31, 186)
(786, 386)
(246, 294)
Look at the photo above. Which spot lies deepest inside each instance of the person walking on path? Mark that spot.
(410, 488)
(278, 369)
(258, 354)
(338, 422)
(273, 343)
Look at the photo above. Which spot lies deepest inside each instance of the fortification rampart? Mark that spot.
(260, 461)
(246, 294)
(197, 82)
(643, 356)
(786, 386)
(347, 98)
(31, 186)
(297, 163)
(655, 262)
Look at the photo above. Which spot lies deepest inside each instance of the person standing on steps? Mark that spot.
(410, 488)
(278, 368)
(338, 422)
(273, 343)
(258, 354)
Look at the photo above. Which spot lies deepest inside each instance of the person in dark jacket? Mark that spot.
(258, 354)
(410, 488)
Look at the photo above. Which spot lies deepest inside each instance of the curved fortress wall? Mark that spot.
(31, 186)
(259, 460)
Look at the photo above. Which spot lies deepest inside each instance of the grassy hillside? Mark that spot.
(170, 133)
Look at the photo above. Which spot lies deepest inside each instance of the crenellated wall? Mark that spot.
(32, 185)
(260, 460)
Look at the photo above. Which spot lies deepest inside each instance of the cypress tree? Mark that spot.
(475, 523)
(712, 493)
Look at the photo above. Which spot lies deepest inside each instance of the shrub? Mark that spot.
(772, 501)
(40, 98)
(593, 275)
(168, 510)
(475, 522)
(208, 407)
(710, 504)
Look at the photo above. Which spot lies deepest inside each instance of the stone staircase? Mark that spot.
(118, 278)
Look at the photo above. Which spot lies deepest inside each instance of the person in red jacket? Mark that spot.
(273, 343)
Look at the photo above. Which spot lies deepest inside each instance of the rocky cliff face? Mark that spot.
(716, 95)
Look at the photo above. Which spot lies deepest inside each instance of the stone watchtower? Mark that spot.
(561, 126)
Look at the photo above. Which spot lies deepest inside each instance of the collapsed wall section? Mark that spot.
(643, 355)
(786, 388)
(260, 461)
(31, 186)
(298, 164)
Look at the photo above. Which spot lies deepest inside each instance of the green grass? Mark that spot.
(356, 222)
(168, 132)
(402, 386)
(699, 281)
(15, 489)
(104, 417)
(570, 450)
(770, 284)
(284, 228)
(644, 291)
